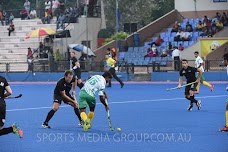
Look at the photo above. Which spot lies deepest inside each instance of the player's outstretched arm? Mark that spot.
(180, 82)
(102, 99)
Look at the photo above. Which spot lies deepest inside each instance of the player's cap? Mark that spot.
(107, 74)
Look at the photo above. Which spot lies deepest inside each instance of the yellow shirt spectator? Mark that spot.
(200, 26)
(219, 24)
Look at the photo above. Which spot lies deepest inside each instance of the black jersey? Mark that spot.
(77, 72)
(3, 84)
(63, 85)
(189, 74)
(73, 60)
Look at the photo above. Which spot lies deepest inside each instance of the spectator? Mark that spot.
(60, 21)
(109, 52)
(189, 27)
(205, 20)
(175, 27)
(179, 35)
(32, 14)
(149, 53)
(47, 4)
(30, 60)
(55, 6)
(154, 51)
(208, 32)
(158, 41)
(176, 58)
(61, 6)
(224, 19)
(11, 18)
(219, 26)
(164, 53)
(200, 26)
(185, 36)
(5, 17)
(27, 7)
(180, 47)
(23, 14)
(11, 28)
(47, 17)
(1, 18)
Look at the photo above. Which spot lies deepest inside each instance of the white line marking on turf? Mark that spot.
(124, 102)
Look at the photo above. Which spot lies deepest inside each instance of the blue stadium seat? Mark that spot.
(185, 20)
(173, 34)
(166, 39)
(167, 34)
(185, 44)
(130, 49)
(171, 39)
(147, 44)
(154, 39)
(145, 62)
(169, 30)
(121, 56)
(136, 49)
(162, 34)
(180, 42)
(191, 43)
(175, 44)
(196, 34)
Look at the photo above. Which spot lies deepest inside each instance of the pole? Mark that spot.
(117, 23)
(87, 33)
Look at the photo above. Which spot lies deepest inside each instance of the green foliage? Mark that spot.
(136, 11)
(117, 36)
(57, 55)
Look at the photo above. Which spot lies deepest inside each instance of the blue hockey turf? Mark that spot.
(151, 119)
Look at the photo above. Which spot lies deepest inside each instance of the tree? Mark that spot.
(136, 11)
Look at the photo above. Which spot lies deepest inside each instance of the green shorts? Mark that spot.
(86, 100)
(202, 77)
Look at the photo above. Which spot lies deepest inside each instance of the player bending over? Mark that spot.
(190, 75)
(226, 114)
(6, 91)
(87, 96)
(199, 64)
(62, 93)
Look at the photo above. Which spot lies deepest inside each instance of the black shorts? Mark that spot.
(2, 112)
(190, 87)
(59, 98)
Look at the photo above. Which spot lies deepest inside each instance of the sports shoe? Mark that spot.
(224, 129)
(86, 125)
(45, 125)
(17, 130)
(198, 104)
(190, 107)
(212, 88)
(81, 123)
(121, 85)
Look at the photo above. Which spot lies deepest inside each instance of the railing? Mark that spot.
(59, 66)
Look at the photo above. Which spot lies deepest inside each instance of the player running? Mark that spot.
(226, 114)
(5, 91)
(62, 93)
(189, 73)
(87, 96)
(76, 69)
(199, 64)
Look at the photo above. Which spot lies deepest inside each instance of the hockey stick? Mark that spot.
(109, 118)
(14, 97)
(181, 86)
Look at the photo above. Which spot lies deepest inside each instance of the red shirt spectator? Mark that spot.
(159, 41)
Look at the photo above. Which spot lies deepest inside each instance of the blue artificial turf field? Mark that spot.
(151, 119)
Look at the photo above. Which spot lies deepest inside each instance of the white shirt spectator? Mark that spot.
(47, 5)
(176, 53)
(185, 35)
(180, 33)
(33, 13)
(55, 4)
(199, 61)
(27, 6)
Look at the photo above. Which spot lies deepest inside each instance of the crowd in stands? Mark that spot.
(183, 34)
